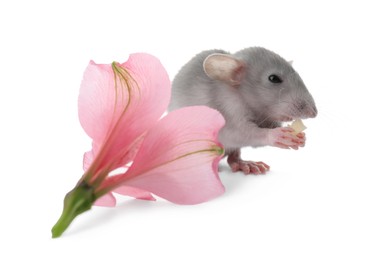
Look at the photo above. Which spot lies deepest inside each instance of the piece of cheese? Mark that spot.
(298, 126)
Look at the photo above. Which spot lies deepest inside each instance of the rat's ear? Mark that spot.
(225, 68)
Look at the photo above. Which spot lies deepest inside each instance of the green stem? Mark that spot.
(77, 201)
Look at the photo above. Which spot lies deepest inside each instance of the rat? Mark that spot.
(255, 90)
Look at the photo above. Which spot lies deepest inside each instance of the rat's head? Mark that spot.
(266, 82)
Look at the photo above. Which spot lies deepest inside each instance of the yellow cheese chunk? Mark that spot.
(298, 126)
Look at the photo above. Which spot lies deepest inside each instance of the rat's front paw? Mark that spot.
(284, 137)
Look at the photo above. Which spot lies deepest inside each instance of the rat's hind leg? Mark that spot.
(247, 167)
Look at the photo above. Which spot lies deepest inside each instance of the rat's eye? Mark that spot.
(274, 79)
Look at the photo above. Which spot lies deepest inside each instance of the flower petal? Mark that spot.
(88, 159)
(95, 100)
(178, 159)
(135, 192)
(107, 200)
(119, 103)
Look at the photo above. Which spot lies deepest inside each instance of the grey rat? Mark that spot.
(255, 90)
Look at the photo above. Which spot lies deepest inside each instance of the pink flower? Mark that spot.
(176, 158)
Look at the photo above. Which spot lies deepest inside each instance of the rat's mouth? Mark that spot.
(286, 119)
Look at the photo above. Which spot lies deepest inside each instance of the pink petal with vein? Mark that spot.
(117, 133)
(178, 159)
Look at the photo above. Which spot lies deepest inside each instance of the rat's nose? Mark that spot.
(307, 109)
(312, 111)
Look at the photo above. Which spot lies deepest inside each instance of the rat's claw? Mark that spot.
(302, 139)
(301, 135)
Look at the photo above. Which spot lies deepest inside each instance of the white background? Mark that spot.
(316, 203)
